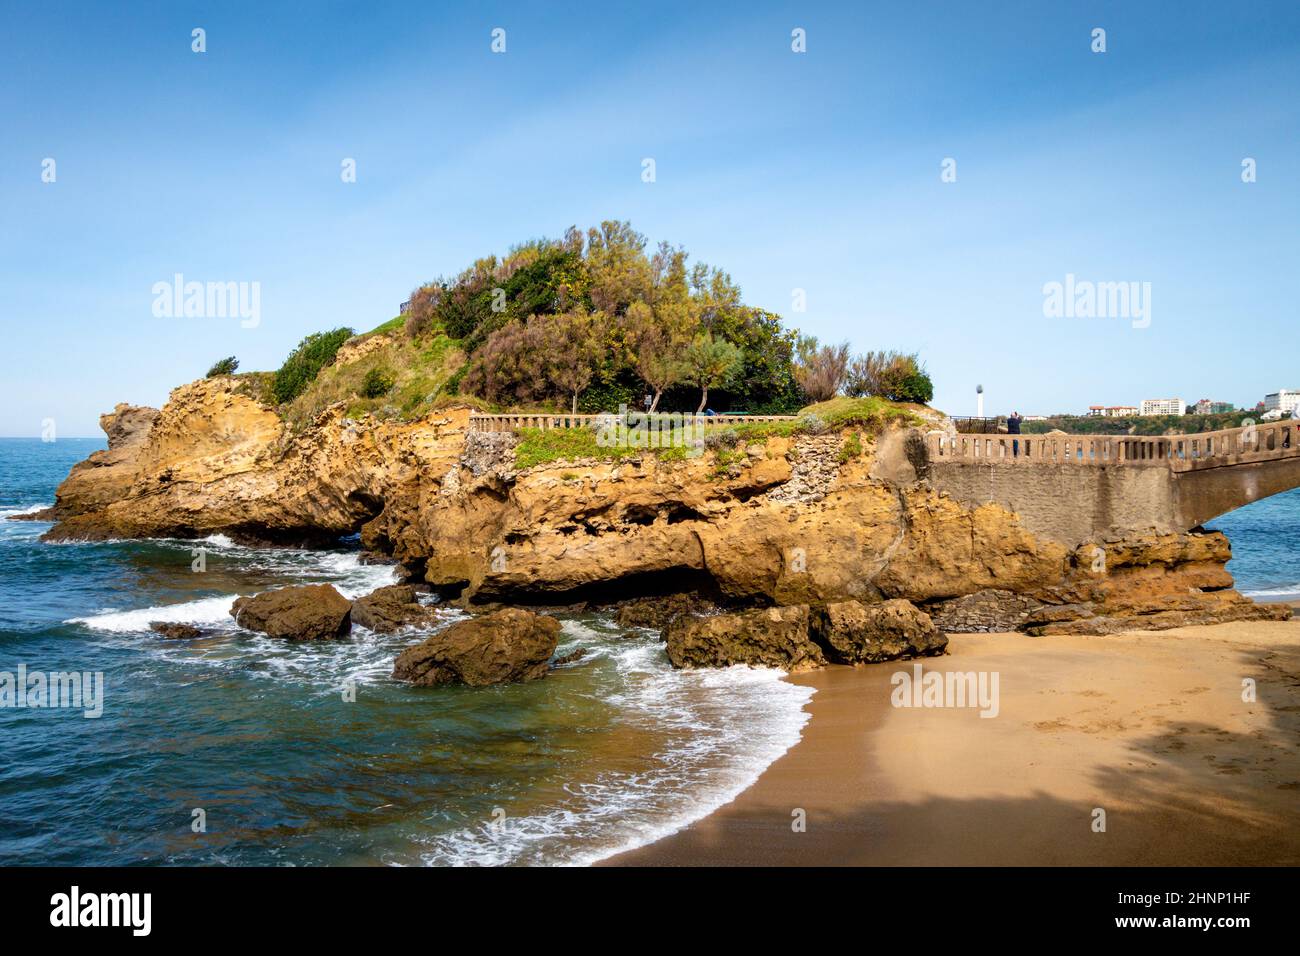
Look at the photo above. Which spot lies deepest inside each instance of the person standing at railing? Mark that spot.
(1013, 428)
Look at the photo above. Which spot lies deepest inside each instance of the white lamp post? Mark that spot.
(979, 401)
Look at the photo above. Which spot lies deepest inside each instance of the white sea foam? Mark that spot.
(725, 727)
(1285, 592)
(206, 612)
(21, 510)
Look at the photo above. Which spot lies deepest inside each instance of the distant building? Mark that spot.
(1207, 407)
(1112, 411)
(1163, 406)
(1285, 400)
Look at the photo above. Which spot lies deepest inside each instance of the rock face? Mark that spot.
(215, 460)
(855, 633)
(309, 612)
(388, 608)
(497, 648)
(771, 637)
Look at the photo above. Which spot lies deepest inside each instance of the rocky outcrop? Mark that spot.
(803, 521)
(658, 612)
(855, 633)
(771, 637)
(798, 637)
(389, 608)
(308, 612)
(216, 460)
(174, 631)
(1161, 615)
(501, 647)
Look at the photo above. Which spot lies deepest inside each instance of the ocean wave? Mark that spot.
(1283, 592)
(725, 726)
(14, 511)
(206, 612)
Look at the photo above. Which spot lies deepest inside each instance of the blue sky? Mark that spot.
(818, 171)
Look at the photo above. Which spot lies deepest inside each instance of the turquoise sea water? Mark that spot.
(604, 755)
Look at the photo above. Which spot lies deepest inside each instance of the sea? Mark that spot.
(237, 749)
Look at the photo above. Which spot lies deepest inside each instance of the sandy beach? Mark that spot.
(1150, 727)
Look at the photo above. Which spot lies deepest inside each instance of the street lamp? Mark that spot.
(979, 401)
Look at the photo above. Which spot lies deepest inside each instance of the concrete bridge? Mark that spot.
(1078, 487)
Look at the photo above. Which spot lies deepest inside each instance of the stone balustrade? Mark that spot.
(1251, 443)
(506, 423)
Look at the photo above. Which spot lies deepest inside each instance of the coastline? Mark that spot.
(1149, 726)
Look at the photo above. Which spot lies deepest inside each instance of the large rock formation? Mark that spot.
(501, 647)
(308, 612)
(217, 460)
(805, 520)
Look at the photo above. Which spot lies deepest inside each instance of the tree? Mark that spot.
(574, 343)
(509, 367)
(617, 266)
(821, 370)
(225, 366)
(710, 363)
(897, 376)
(658, 353)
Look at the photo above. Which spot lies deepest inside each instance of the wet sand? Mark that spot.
(1149, 727)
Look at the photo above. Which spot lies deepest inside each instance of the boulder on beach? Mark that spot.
(659, 612)
(388, 608)
(501, 647)
(854, 633)
(308, 612)
(174, 630)
(771, 637)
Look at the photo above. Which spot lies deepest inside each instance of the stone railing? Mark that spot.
(1251, 443)
(505, 423)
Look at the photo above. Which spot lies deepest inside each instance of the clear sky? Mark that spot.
(817, 171)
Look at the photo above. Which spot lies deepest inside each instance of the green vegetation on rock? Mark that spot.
(305, 362)
(225, 366)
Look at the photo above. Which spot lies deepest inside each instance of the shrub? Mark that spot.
(821, 370)
(225, 366)
(896, 376)
(377, 383)
(917, 387)
(422, 310)
(305, 362)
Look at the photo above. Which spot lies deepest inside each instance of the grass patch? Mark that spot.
(870, 414)
(392, 325)
(541, 446)
(415, 373)
(852, 447)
